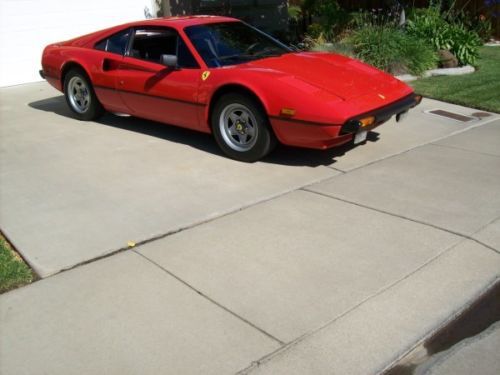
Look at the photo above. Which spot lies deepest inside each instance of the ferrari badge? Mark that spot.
(205, 75)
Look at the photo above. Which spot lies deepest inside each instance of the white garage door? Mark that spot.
(27, 26)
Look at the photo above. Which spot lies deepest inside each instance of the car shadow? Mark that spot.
(283, 155)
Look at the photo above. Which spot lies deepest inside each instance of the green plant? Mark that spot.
(314, 30)
(480, 24)
(390, 48)
(464, 44)
(375, 17)
(427, 24)
(333, 18)
(482, 27)
(430, 25)
(376, 45)
(294, 12)
(417, 55)
(322, 45)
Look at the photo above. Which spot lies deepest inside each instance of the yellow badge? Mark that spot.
(205, 75)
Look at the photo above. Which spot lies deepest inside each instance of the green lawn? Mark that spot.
(479, 90)
(13, 271)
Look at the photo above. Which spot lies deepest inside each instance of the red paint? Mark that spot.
(324, 89)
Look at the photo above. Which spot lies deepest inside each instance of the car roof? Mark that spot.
(176, 22)
(183, 21)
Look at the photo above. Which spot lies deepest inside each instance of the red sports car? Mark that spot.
(222, 76)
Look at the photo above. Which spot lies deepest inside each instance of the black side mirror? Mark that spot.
(169, 61)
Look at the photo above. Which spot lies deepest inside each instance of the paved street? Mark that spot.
(477, 355)
(307, 262)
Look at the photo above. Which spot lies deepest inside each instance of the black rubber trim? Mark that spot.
(385, 113)
(381, 115)
(45, 76)
(152, 96)
(287, 119)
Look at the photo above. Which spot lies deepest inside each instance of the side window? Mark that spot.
(150, 43)
(117, 43)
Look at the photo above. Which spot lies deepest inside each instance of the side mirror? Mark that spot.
(169, 61)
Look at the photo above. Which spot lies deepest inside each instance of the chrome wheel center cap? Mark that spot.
(240, 128)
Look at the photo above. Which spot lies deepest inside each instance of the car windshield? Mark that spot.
(230, 43)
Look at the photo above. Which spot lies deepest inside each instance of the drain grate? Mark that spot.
(452, 115)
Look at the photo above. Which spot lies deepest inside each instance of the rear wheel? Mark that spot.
(241, 128)
(80, 96)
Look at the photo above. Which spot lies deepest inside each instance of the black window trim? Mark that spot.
(265, 35)
(154, 27)
(129, 29)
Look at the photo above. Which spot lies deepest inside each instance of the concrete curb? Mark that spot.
(467, 69)
(460, 351)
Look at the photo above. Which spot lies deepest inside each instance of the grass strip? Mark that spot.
(480, 89)
(14, 272)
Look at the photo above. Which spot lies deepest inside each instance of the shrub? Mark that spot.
(464, 44)
(428, 24)
(333, 18)
(480, 24)
(294, 12)
(482, 27)
(376, 17)
(334, 47)
(389, 48)
(377, 45)
(417, 55)
(314, 30)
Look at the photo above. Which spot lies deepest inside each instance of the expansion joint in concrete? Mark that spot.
(268, 357)
(211, 299)
(464, 150)
(464, 236)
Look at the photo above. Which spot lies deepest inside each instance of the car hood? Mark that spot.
(341, 76)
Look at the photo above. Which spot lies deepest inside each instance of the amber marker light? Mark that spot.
(367, 121)
(418, 99)
(287, 111)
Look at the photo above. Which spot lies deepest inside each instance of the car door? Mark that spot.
(154, 91)
(109, 54)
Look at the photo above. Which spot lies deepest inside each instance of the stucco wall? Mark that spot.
(26, 26)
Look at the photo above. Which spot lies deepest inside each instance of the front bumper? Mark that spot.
(323, 136)
(381, 115)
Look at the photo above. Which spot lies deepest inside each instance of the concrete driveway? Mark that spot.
(305, 262)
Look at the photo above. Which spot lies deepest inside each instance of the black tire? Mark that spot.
(253, 137)
(81, 97)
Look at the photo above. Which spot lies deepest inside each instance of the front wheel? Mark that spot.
(241, 128)
(81, 97)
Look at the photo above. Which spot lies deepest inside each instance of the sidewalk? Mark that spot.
(335, 266)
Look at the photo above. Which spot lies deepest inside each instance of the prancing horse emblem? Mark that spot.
(205, 75)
